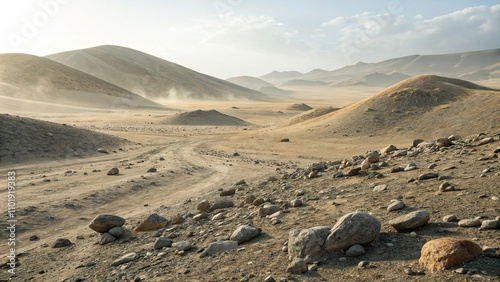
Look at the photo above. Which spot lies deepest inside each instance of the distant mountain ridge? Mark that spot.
(150, 76)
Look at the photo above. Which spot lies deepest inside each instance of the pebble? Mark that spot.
(380, 188)
(396, 205)
(355, 251)
(450, 218)
(124, 259)
(363, 264)
(470, 222)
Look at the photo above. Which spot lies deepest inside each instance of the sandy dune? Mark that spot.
(200, 117)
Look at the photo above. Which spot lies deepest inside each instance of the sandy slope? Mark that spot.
(151, 76)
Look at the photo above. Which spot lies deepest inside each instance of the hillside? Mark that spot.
(425, 103)
(204, 118)
(150, 76)
(29, 80)
(373, 79)
(258, 85)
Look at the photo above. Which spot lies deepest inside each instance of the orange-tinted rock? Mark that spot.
(443, 253)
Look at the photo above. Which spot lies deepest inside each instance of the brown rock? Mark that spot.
(113, 171)
(227, 192)
(443, 142)
(443, 253)
(203, 205)
(104, 222)
(154, 221)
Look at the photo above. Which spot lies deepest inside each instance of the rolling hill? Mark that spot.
(426, 104)
(259, 85)
(204, 118)
(30, 81)
(150, 76)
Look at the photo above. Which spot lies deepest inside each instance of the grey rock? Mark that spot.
(470, 222)
(450, 218)
(380, 188)
(219, 246)
(490, 224)
(307, 243)
(222, 204)
(396, 205)
(353, 228)
(113, 171)
(104, 222)
(353, 171)
(250, 199)
(355, 251)
(106, 238)
(162, 242)
(388, 149)
(117, 232)
(296, 203)
(372, 157)
(61, 242)
(124, 259)
(268, 209)
(297, 266)
(410, 221)
(203, 205)
(429, 175)
(182, 245)
(244, 233)
(228, 192)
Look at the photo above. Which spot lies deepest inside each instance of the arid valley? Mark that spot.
(186, 161)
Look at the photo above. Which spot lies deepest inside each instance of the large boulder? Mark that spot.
(307, 243)
(351, 229)
(443, 253)
(244, 233)
(104, 222)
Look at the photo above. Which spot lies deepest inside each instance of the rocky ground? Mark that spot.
(451, 183)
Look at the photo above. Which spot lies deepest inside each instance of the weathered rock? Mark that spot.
(228, 192)
(152, 222)
(428, 175)
(222, 204)
(486, 141)
(182, 245)
(355, 251)
(307, 243)
(285, 140)
(396, 205)
(372, 157)
(161, 242)
(297, 266)
(416, 142)
(443, 142)
(443, 253)
(268, 209)
(61, 242)
(388, 149)
(152, 169)
(113, 171)
(200, 216)
(218, 216)
(450, 218)
(203, 205)
(469, 222)
(124, 259)
(177, 219)
(269, 279)
(353, 228)
(250, 199)
(102, 150)
(490, 224)
(257, 202)
(106, 238)
(296, 203)
(219, 246)
(446, 186)
(102, 223)
(410, 221)
(379, 188)
(353, 171)
(244, 233)
(117, 232)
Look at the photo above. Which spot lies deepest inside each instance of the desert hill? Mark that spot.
(258, 85)
(299, 107)
(425, 103)
(477, 65)
(29, 139)
(307, 115)
(373, 79)
(26, 79)
(150, 76)
(204, 118)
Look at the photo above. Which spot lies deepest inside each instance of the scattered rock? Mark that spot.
(443, 253)
(152, 222)
(285, 140)
(490, 224)
(106, 238)
(203, 205)
(117, 232)
(228, 192)
(124, 259)
(388, 149)
(363, 264)
(443, 142)
(450, 218)
(355, 251)
(268, 209)
(296, 203)
(372, 157)
(177, 219)
(297, 266)
(469, 222)
(353, 228)
(307, 243)
(446, 186)
(162, 242)
(417, 142)
(102, 150)
(486, 141)
(182, 245)
(219, 246)
(61, 242)
(410, 221)
(152, 169)
(104, 222)
(380, 188)
(257, 202)
(244, 233)
(426, 176)
(396, 205)
(113, 171)
(222, 204)
(352, 171)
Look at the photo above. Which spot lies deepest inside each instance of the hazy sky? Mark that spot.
(227, 38)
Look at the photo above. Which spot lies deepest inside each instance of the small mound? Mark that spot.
(26, 139)
(311, 114)
(299, 107)
(205, 118)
